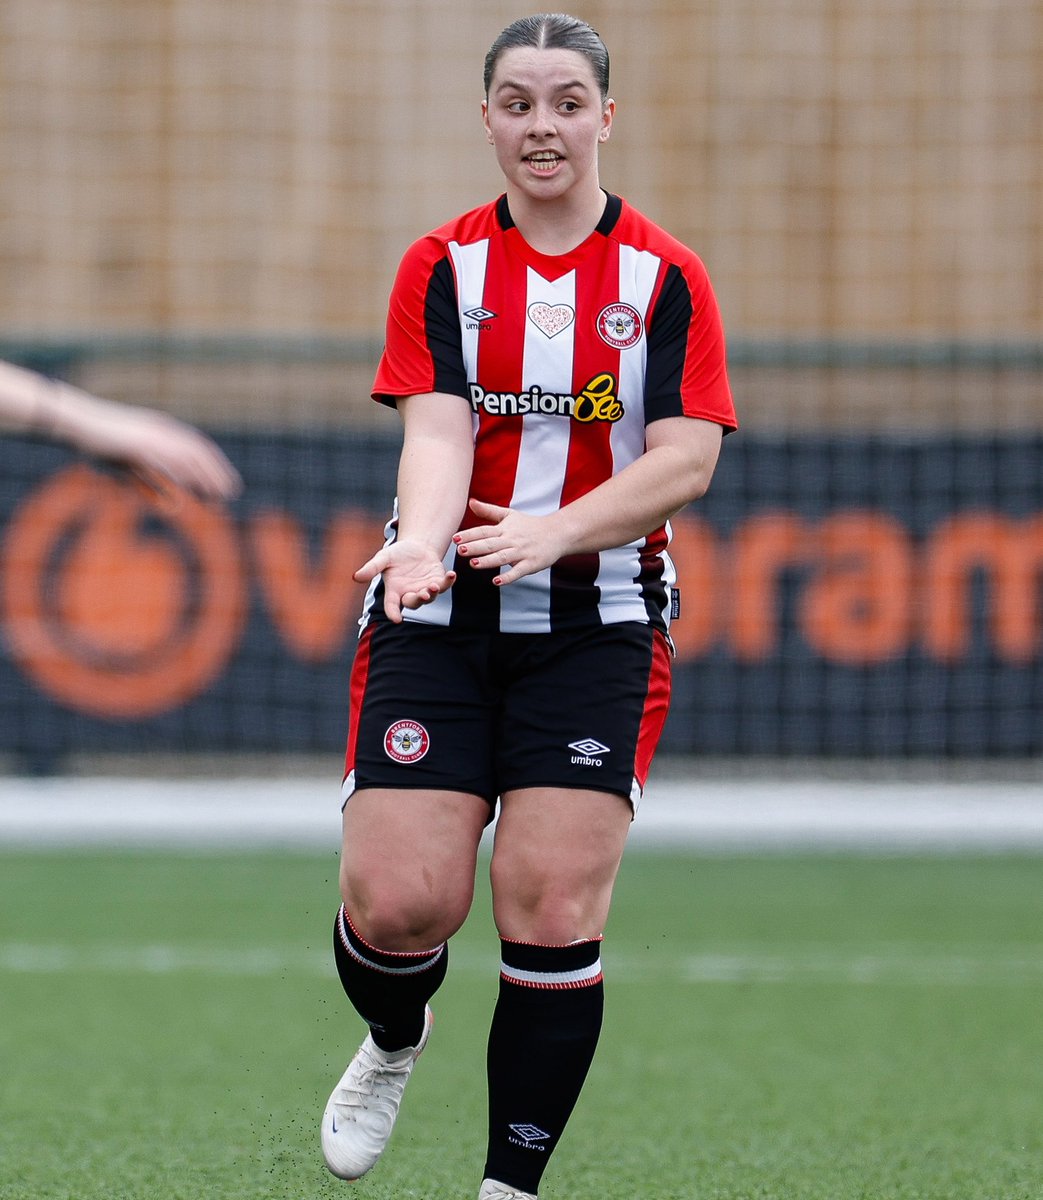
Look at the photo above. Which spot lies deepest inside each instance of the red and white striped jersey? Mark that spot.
(564, 361)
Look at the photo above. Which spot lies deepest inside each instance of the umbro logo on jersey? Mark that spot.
(588, 752)
(479, 318)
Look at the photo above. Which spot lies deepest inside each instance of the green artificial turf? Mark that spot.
(777, 1027)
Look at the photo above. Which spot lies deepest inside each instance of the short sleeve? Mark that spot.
(686, 372)
(422, 348)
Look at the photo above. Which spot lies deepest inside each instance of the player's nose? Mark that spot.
(541, 121)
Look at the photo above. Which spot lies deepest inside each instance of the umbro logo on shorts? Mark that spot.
(588, 752)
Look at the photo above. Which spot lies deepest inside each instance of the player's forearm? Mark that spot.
(637, 501)
(434, 469)
(28, 401)
(32, 403)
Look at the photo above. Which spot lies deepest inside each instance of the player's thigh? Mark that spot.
(408, 863)
(556, 854)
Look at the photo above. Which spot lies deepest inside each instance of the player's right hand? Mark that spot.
(413, 574)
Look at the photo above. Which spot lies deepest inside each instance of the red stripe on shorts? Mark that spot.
(357, 689)
(657, 702)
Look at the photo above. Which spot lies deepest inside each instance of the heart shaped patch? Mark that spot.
(551, 319)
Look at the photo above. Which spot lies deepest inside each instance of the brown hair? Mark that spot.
(552, 31)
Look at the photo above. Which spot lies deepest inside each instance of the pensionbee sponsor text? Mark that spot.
(598, 401)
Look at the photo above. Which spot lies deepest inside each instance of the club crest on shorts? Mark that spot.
(620, 325)
(406, 742)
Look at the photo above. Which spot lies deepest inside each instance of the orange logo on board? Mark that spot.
(114, 605)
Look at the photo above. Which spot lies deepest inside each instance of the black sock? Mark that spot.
(544, 1032)
(389, 991)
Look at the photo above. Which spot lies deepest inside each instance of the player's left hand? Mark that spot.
(512, 543)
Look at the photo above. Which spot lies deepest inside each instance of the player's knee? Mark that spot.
(402, 919)
(545, 908)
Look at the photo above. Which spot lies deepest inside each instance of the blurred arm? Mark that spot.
(160, 448)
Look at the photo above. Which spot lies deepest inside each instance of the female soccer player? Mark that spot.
(558, 364)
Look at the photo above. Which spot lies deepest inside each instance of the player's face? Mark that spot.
(545, 118)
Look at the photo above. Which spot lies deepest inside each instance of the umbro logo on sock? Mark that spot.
(528, 1136)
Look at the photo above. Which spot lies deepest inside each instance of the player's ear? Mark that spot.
(485, 122)
(608, 112)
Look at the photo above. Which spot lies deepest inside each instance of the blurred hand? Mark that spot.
(157, 447)
(162, 452)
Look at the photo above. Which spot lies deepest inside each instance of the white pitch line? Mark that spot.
(712, 815)
(868, 966)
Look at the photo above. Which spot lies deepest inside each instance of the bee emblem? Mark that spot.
(620, 326)
(406, 742)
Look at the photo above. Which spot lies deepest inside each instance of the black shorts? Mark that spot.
(486, 713)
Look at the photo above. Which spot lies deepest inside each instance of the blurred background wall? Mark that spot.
(258, 166)
(203, 204)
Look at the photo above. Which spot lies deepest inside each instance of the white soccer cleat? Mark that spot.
(492, 1190)
(362, 1109)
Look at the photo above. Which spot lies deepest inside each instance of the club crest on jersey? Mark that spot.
(406, 742)
(551, 319)
(620, 325)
